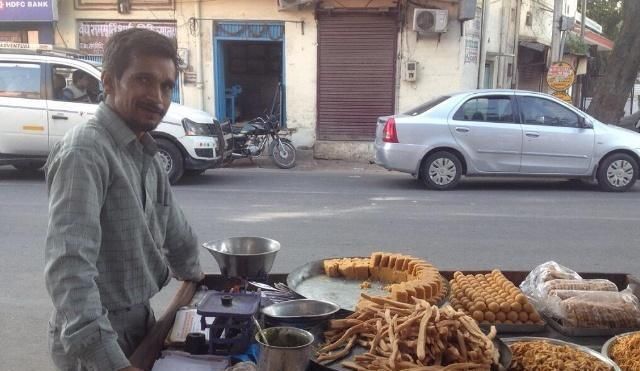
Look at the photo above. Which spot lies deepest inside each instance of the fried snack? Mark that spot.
(626, 352)
(602, 310)
(407, 277)
(543, 356)
(580, 284)
(492, 299)
(402, 336)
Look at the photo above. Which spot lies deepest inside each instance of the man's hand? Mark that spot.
(131, 368)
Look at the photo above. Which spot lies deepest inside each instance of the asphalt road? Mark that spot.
(486, 223)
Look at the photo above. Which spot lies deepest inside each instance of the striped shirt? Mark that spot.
(114, 234)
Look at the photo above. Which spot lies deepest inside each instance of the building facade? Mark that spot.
(30, 22)
(330, 68)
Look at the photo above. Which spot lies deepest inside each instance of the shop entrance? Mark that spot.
(249, 68)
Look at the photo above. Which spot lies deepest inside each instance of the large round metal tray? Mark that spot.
(311, 282)
(610, 342)
(581, 348)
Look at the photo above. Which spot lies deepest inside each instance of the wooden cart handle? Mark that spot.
(149, 349)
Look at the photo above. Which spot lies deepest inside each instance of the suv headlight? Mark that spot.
(195, 129)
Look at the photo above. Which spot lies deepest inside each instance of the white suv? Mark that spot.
(36, 116)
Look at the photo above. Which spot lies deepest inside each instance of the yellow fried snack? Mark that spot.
(406, 276)
(626, 352)
(543, 356)
(403, 336)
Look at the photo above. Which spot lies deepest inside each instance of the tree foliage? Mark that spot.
(608, 13)
(613, 89)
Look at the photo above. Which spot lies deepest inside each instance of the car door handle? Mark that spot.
(462, 130)
(59, 117)
(532, 134)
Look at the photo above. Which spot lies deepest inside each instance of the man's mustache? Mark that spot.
(156, 108)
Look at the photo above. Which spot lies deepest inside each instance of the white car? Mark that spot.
(506, 132)
(35, 116)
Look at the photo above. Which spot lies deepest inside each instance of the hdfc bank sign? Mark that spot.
(30, 11)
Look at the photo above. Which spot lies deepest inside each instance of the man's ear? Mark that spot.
(108, 82)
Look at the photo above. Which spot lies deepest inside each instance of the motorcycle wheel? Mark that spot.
(284, 156)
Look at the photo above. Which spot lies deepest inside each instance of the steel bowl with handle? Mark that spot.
(245, 257)
(300, 313)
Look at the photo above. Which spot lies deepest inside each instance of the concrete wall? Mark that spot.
(441, 60)
(299, 49)
(542, 19)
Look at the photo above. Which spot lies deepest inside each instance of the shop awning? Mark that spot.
(594, 38)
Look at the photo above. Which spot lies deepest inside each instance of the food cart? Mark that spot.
(586, 340)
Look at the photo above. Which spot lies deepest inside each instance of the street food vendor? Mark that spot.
(115, 235)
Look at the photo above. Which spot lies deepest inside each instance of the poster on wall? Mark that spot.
(472, 32)
(28, 11)
(92, 35)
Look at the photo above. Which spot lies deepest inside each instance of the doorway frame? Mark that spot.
(255, 31)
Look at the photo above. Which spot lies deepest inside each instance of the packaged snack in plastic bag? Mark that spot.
(600, 309)
(582, 285)
(533, 285)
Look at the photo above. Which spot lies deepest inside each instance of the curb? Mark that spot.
(305, 161)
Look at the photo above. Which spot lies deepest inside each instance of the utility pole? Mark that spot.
(556, 35)
(583, 14)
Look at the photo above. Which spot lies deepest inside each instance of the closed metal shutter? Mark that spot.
(356, 74)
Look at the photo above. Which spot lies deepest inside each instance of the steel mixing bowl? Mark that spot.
(245, 257)
(301, 313)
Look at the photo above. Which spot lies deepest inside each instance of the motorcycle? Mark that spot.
(262, 133)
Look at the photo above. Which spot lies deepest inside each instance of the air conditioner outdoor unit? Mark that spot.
(430, 20)
(292, 4)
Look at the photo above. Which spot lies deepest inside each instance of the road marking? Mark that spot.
(270, 216)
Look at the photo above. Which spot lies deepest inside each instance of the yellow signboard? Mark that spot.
(560, 76)
(562, 95)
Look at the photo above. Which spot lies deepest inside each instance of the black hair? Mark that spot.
(77, 75)
(124, 45)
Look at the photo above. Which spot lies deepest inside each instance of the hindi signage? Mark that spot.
(27, 11)
(560, 76)
(92, 35)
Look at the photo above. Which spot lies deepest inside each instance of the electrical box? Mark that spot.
(430, 20)
(467, 9)
(411, 71)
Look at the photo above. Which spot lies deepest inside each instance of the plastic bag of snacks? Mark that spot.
(534, 285)
(600, 309)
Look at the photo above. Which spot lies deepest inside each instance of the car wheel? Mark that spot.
(617, 173)
(441, 170)
(29, 166)
(171, 159)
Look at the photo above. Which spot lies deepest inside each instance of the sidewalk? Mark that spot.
(306, 162)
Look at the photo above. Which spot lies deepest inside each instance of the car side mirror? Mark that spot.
(583, 123)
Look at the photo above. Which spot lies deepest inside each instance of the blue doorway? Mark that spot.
(248, 69)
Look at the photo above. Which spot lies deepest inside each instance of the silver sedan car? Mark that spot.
(505, 132)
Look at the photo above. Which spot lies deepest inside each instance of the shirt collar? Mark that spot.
(120, 132)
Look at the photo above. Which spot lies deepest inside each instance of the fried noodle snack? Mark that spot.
(542, 356)
(626, 352)
(413, 337)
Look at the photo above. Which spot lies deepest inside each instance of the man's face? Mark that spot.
(83, 83)
(142, 95)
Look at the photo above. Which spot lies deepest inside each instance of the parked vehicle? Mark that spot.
(505, 132)
(263, 133)
(37, 116)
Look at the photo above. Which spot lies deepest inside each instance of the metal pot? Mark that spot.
(246, 257)
(301, 313)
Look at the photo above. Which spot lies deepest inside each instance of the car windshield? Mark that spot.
(427, 106)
